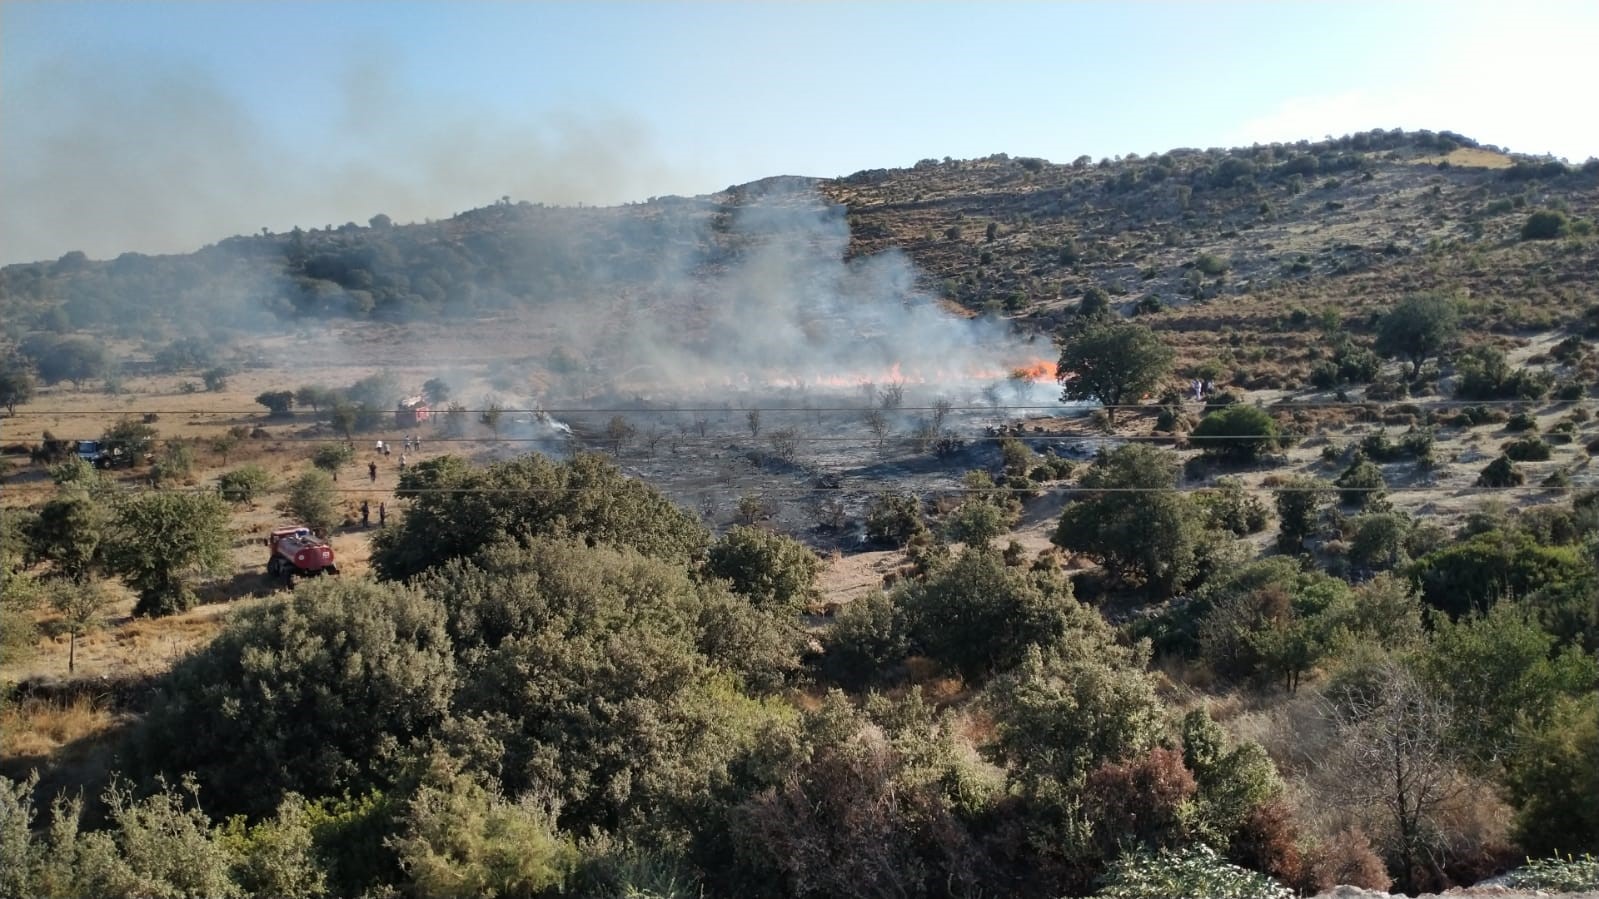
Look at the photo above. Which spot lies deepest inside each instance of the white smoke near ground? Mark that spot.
(777, 304)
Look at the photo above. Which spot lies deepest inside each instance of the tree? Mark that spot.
(1237, 432)
(314, 396)
(159, 540)
(80, 605)
(216, 378)
(1503, 676)
(330, 457)
(75, 359)
(16, 387)
(437, 390)
(619, 431)
(224, 445)
(1394, 756)
(1553, 779)
(1113, 362)
(311, 501)
(316, 695)
(1420, 326)
(134, 437)
(1271, 621)
(770, 569)
(344, 419)
(70, 532)
(1139, 527)
(490, 416)
(979, 616)
(279, 403)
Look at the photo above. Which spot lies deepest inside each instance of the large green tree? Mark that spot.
(1419, 327)
(159, 541)
(1133, 520)
(1114, 362)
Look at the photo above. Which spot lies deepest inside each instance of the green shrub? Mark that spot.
(1191, 871)
(1501, 472)
(1571, 874)
(770, 569)
(1238, 432)
(244, 484)
(894, 518)
(1527, 449)
(867, 640)
(1361, 485)
(1522, 421)
(1231, 508)
(1545, 225)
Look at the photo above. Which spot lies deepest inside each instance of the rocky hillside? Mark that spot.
(1207, 243)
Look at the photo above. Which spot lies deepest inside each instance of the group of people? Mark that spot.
(366, 514)
(1201, 388)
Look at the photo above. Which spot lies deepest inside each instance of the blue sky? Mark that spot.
(159, 127)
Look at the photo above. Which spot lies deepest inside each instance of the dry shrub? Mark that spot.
(1141, 801)
(1478, 824)
(1268, 841)
(1348, 858)
(847, 825)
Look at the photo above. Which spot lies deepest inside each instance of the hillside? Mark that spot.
(1229, 238)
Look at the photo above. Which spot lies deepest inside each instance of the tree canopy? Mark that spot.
(1113, 362)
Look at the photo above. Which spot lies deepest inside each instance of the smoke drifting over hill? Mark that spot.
(786, 310)
(161, 152)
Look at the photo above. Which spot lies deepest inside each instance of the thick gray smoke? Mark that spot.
(787, 310)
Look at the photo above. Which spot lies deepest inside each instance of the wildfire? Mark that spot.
(1037, 371)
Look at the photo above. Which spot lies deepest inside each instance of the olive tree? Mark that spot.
(1114, 362)
(1132, 519)
(159, 541)
(1419, 327)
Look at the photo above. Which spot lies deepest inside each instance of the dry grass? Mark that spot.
(34, 728)
(1470, 157)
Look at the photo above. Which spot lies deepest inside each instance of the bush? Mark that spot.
(1572, 874)
(1239, 432)
(244, 484)
(1379, 541)
(317, 695)
(1191, 871)
(1522, 421)
(456, 509)
(867, 639)
(311, 500)
(1527, 449)
(1144, 802)
(1501, 472)
(979, 616)
(1348, 858)
(1545, 225)
(1148, 537)
(894, 518)
(1361, 485)
(462, 839)
(330, 457)
(770, 569)
(1231, 508)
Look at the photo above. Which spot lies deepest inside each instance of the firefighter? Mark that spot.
(366, 515)
(372, 471)
(383, 514)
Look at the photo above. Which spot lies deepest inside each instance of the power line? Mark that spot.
(1079, 409)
